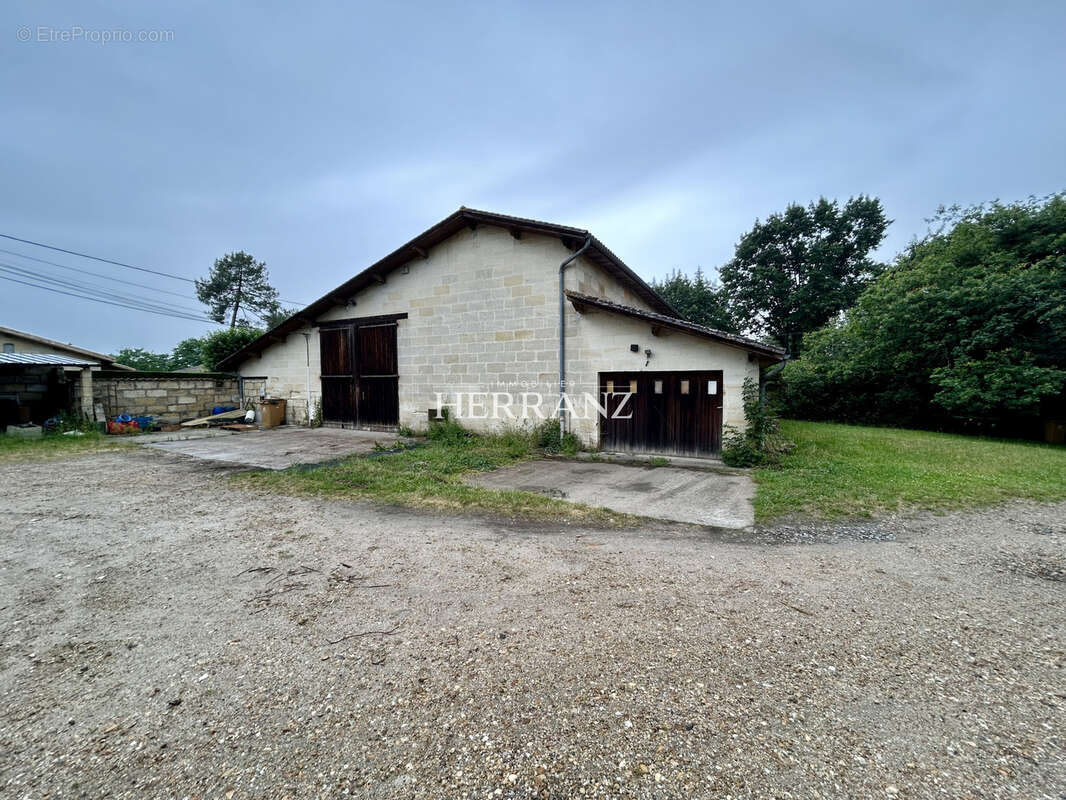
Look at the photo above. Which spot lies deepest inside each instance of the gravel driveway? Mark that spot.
(164, 635)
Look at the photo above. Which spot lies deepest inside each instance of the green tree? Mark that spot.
(218, 345)
(698, 300)
(139, 358)
(187, 353)
(797, 270)
(275, 318)
(238, 283)
(969, 324)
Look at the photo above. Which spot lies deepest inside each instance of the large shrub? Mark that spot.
(761, 441)
(216, 346)
(966, 330)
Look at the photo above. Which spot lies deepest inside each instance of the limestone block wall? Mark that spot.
(281, 372)
(482, 316)
(178, 396)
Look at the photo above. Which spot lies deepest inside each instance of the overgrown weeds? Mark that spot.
(761, 442)
(55, 445)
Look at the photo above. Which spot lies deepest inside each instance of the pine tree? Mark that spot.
(238, 283)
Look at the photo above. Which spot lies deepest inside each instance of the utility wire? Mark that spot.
(97, 258)
(117, 263)
(97, 300)
(102, 291)
(106, 294)
(96, 274)
(113, 302)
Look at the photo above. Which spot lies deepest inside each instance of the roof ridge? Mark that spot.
(419, 246)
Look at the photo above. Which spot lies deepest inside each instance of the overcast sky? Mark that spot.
(320, 139)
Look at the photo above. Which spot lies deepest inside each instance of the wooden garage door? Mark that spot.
(359, 373)
(677, 413)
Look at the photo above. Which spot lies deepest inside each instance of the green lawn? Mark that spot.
(430, 475)
(15, 448)
(848, 470)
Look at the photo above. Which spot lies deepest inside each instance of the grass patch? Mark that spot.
(431, 476)
(15, 448)
(848, 470)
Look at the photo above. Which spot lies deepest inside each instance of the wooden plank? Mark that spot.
(225, 415)
(356, 321)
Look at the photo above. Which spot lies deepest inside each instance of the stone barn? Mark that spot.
(505, 322)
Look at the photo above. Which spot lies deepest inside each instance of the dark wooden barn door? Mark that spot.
(338, 376)
(676, 413)
(359, 373)
(376, 379)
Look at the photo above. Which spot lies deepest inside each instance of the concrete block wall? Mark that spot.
(28, 384)
(29, 387)
(165, 395)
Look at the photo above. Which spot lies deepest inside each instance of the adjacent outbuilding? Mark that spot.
(502, 322)
(41, 377)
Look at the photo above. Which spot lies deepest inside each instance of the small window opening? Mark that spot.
(658, 387)
(684, 387)
(712, 387)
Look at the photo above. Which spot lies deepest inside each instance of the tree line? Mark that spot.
(963, 330)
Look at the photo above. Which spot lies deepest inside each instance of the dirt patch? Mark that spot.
(165, 634)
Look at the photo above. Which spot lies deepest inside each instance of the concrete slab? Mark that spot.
(175, 436)
(704, 497)
(277, 448)
(637, 459)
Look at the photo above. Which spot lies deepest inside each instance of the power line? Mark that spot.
(121, 302)
(101, 291)
(96, 300)
(96, 274)
(97, 258)
(117, 263)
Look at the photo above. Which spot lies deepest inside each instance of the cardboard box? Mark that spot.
(272, 412)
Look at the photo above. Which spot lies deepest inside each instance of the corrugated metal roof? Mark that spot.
(62, 346)
(46, 359)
